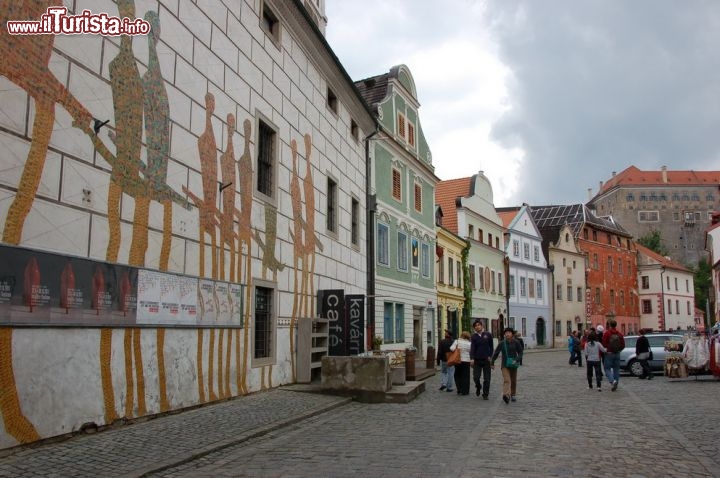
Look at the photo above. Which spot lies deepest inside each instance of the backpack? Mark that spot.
(615, 343)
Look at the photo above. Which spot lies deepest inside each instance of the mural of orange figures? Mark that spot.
(227, 218)
(25, 62)
(311, 242)
(244, 165)
(296, 236)
(207, 210)
(267, 246)
(156, 110)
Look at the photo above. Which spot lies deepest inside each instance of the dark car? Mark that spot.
(630, 364)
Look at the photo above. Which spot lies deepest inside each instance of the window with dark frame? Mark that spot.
(332, 101)
(270, 23)
(331, 217)
(396, 185)
(355, 221)
(647, 306)
(263, 322)
(354, 130)
(265, 159)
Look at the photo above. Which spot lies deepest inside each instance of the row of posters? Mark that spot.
(40, 288)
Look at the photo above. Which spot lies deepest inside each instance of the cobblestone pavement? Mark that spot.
(558, 427)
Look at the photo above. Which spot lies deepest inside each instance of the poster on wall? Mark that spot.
(207, 303)
(166, 298)
(42, 288)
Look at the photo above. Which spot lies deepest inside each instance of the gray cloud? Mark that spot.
(601, 85)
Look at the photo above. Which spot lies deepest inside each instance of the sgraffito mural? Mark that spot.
(136, 144)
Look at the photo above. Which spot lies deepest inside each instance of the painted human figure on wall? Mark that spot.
(25, 62)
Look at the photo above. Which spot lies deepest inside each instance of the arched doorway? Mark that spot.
(540, 331)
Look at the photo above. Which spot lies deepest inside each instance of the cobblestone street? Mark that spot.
(558, 427)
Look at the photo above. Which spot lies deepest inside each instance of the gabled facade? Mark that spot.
(667, 292)
(611, 266)
(678, 204)
(449, 276)
(469, 212)
(568, 290)
(170, 206)
(403, 186)
(528, 285)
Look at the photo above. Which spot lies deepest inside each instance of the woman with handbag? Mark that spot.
(447, 369)
(511, 356)
(462, 370)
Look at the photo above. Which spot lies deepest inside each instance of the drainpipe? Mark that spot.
(370, 205)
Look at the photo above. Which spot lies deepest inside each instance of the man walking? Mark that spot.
(614, 342)
(481, 350)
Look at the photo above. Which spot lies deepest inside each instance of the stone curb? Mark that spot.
(243, 437)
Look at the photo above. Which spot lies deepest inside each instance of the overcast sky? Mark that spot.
(547, 97)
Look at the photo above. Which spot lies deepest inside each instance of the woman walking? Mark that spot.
(593, 349)
(511, 351)
(462, 370)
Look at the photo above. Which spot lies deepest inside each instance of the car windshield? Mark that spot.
(630, 342)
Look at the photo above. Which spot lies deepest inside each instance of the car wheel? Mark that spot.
(635, 368)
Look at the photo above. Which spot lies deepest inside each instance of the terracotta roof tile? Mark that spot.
(507, 217)
(633, 176)
(446, 194)
(662, 260)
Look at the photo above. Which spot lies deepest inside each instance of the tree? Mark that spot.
(703, 282)
(653, 242)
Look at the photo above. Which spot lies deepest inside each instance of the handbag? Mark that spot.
(453, 358)
(510, 362)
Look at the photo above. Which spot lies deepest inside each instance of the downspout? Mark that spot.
(370, 205)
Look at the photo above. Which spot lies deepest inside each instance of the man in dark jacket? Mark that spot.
(446, 373)
(642, 353)
(614, 342)
(481, 350)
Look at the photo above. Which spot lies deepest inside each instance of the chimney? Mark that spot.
(600, 188)
(664, 174)
(613, 174)
(589, 194)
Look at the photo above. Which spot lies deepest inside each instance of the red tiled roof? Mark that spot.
(507, 217)
(662, 260)
(632, 176)
(446, 193)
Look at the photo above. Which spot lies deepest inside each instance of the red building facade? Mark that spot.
(611, 276)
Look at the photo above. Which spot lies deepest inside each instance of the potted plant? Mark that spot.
(377, 342)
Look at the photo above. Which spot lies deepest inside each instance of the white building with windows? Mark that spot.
(469, 212)
(667, 292)
(567, 284)
(528, 281)
(170, 206)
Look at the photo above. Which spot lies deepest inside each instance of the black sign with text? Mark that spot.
(331, 304)
(355, 320)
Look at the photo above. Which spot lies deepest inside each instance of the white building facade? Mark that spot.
(170, 207)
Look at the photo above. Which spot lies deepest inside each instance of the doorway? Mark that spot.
(540, 331)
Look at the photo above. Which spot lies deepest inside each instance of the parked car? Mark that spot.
(630, 364)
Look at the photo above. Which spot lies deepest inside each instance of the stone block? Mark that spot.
(355, 374)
